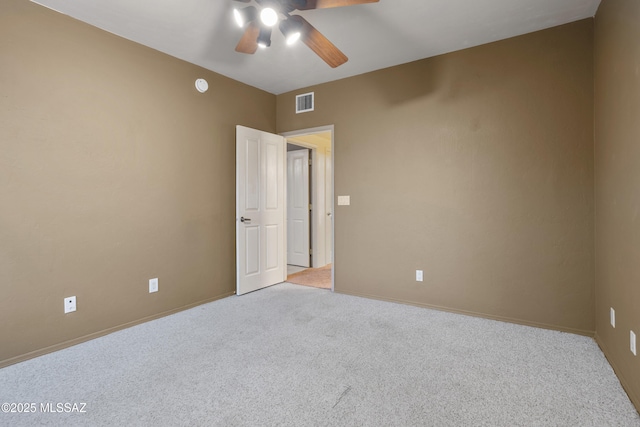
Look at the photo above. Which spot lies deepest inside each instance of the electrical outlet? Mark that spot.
(632, 342)
(153, 285)
(419, 276)
(69, 304)
(612, 316)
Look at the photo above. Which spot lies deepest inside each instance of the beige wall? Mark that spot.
(476, 167)
(617, 178)
(113, 170)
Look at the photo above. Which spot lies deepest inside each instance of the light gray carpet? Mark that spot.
(298, 356)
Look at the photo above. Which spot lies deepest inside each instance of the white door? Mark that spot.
(298, 230)
(260, 210)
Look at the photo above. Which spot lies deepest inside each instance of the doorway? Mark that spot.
(318, 143)
(261, 191)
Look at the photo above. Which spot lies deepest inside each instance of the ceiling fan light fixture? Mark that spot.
(264, 38)
(242, 16)
(291, 31)
(293, 37)
(269, 16)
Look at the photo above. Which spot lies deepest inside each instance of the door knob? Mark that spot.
(243, 219)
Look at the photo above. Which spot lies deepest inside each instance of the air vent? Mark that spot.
(304, 103)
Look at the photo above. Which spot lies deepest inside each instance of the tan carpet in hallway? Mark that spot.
(316, 277)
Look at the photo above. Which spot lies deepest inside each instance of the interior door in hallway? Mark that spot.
(260, 209)
(298, 221)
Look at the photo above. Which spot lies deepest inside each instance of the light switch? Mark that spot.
(344, 200)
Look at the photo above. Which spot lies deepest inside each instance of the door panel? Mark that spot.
(260, 209)
(272, 232)
(252, 175)
(298, 231)
(252, 241)
(273, 192)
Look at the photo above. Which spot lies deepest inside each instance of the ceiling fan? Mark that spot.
(260, 21)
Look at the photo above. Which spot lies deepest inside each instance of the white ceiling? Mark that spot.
(373, 36)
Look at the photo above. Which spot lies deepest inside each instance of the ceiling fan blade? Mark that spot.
(324, 4)
(249, 41)
(319, 43)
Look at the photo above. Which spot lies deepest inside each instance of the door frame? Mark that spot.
(315, 196)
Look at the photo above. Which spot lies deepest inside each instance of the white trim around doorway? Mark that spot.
(317, 202)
